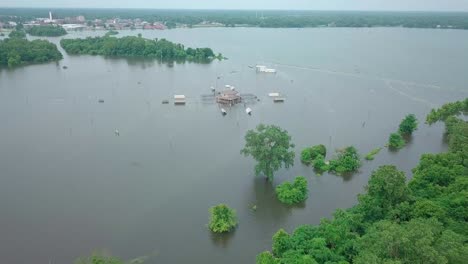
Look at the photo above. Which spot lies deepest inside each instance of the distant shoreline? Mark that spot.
(117, 19)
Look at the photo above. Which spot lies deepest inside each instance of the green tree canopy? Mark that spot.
(396, 141)
(131, 46)
(424, 221)
(309, 154)
(292, 193)
(408, 125)
(447, 110)
(47, 31)
(17, 34)
(271, 147)
(346, 160)
(223, 219)
(20, 51)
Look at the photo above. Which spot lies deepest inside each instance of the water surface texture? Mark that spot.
(69, 184)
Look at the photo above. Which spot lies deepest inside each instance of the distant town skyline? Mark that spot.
(378, 5)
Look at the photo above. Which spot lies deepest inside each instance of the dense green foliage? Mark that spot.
(223, 219)
(47, 31)
(422, 221)
(447, 110)
(19, 51)
(130, 46)
(268, 18)
(309, 154)
(17, 34)
(372, 153)
(99, 259)
(396, 141)
(408, 125)
(346, 160)
(320, 164)
(293, 193)
(271, 147)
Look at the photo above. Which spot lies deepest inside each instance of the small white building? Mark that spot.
(265, 69)
(179, 99)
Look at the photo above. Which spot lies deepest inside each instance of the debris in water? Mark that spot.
(64, 67)
(253, 207)
(165, 101)
(101, 101)
(117, 133)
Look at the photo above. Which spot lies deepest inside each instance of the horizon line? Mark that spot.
(232, 9)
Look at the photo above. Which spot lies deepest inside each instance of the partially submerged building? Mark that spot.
(229, 97)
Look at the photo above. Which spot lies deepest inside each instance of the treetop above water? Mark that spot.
(132, 46)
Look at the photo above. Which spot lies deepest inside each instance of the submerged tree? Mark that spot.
(308, 155)
(271, 147)
(99, 259)
(396, 141)
(408, 125)
(223, 219)
(347, 160)
(293, 193)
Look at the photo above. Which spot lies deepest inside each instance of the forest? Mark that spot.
(17, 50)
(132, 46)
(46, 31)
(257, 18)
(423, 220)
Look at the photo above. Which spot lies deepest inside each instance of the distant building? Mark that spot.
(81, 19)
(50, 19)
(73, 26)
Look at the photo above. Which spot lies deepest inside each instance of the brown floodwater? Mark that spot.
(69, 185)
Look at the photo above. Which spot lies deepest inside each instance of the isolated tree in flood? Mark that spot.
(223, 219)
(396, 141)
(408, 125)
(271, 147)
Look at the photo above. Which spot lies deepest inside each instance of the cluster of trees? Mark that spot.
(315, 155)
(47, 31)
(347, 160)
(17, 50)
(422, 221)
(447, 110)
(223, 219)
(293, 193)
(308, 155)
(17, 34)
(131, 46)
(407, 126)
(271, 18)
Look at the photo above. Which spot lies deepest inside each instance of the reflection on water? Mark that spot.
(222, 240)
(268, 206)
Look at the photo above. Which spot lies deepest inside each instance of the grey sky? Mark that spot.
(410, 5)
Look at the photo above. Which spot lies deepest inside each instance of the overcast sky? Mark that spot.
(409, 5)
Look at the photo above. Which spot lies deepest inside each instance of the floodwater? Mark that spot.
(69, 185)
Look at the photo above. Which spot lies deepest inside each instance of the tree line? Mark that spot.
(46, 31)
(268, 18)
(132, 46)
(395, 221)
(17, 50)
